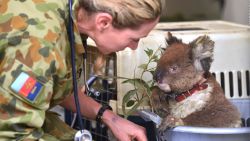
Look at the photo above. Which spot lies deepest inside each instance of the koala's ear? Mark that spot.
(170, 39)
(202, 53)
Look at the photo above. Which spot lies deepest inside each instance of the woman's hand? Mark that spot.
(122, 129)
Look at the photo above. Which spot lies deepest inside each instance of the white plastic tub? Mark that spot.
(185, 133)
(207, 134)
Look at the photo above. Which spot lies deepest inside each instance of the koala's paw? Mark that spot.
(161, 136)
(170, 122)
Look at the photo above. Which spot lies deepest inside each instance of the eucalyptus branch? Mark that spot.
(111, 77)
(139, 85)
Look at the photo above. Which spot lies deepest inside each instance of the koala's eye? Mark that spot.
(173, 69)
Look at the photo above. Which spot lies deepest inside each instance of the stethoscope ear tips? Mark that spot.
(88, 85)
(91, 80)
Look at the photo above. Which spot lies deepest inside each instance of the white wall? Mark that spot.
(237, 11)
(193, 9)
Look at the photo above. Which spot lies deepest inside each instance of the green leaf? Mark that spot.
(135, 107)
(143, 66)
(126, 98)
(155, 58)
(138, 83)
(140, 87)
(149, 52)
(130, 103)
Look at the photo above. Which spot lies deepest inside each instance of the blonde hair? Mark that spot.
(125, 13)
(99, 64)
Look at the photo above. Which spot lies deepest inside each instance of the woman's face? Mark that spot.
(113, 40)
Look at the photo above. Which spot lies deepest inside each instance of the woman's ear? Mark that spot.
(103, 21)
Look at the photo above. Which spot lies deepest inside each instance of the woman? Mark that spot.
(35, 68)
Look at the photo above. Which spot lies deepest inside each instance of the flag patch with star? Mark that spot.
(26, 86)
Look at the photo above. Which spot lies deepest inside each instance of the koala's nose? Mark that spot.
(158, 75)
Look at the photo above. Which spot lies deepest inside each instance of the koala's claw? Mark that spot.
(170, 122)
(161, 136)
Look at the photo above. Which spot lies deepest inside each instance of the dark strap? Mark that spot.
(101, 111)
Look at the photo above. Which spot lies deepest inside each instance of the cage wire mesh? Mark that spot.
(106, 91)
(236, 86)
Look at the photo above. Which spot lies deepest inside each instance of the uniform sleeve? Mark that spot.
(32, 39)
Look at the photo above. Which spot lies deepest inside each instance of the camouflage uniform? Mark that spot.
(34, 40)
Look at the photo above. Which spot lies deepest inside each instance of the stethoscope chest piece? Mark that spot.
(83, 135)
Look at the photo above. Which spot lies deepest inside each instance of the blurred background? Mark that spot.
(237, 11)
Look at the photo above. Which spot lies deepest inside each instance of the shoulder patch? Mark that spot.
(26, 86)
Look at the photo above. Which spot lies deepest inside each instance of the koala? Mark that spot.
(188, 93)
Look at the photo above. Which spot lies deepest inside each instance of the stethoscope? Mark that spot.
(82, 134)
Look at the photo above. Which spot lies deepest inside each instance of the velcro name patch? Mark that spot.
(26, 86)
